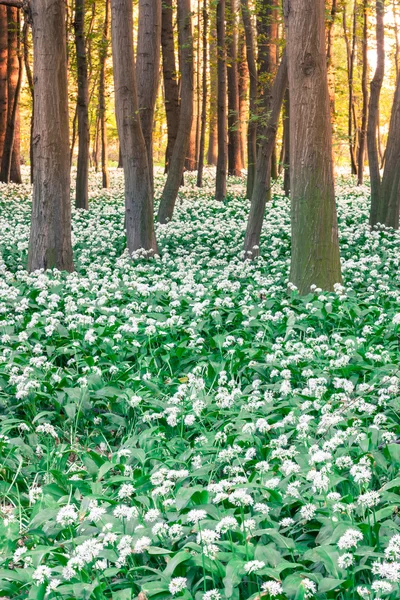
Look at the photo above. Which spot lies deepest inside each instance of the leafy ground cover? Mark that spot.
(189, 427)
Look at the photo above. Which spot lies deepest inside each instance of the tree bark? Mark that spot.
(10, 163)
(170, 192)
(390, 187)
(204, 99)
(171, 89)
(3, 76)
(315, 247)
(139, 221)
(29, 77)
(50, 237)
(351, 52)
(147, 70)
(220, 184)
(329, 55)
(234, 158)
(263, 170)
(364, 85)
(102, 96)
(252, 126)
(82, 175)
(243, 90)
(212, 152)
(373, 114)
(286, 135)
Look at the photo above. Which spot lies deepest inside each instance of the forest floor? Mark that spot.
(186, 426)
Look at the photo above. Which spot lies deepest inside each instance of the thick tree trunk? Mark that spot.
(286, 143)
(102, 96)
(234, 158)
(252, 126)
(220, 184)
(204, 100)
(263, 170)
(82, 175)
(3, 76)
(10, 163)
(373, 114)
(50, 238)
(364, 80)
(212, 152)
(315, 248)
(390, 188)
(171, 88)
(147, 70)
(139, 221)
(170, 192)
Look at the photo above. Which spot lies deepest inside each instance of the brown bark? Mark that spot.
(315, 248)
(10, 163)
(234, 158)
(373, 114)
(204, 99)
(139, 220)
(222, 161)
(102, 96)
(263, 171)
(82, 175)
(329, 55)
(286, 143)
(243, 103)
(170, 192)
(3, 76)
(171, 88)
(364, 85)
(29, 77)
(252, 126)
(212, 152)
(148, 69)
(389, 205)
(351, 52)
(50, 238)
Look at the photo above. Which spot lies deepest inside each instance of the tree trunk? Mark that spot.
(147, 70)
(286, 135)
(171, 89)
(50, 237)
(10, 163)
(390, 187)
(373, 114)
(212, 152)
(315, 247)
(351, 52)
(139, 220)
(234, 158)
(3, 76)
(170, 192)
(204, 99)
(252, 126)
(220, 184)
(329, 56)
(102, 96)
(243, 104)
(263, 170)
(82, 175)
(364, 79)
(29, 77)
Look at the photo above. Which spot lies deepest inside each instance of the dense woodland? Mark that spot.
(199, 299)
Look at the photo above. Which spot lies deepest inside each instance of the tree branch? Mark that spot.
(14, 3)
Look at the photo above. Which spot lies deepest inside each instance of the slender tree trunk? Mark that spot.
(212, 152)
(364, 79)
(29, 77)
(286, 135)
(315, 247)
(396, 38)
(373, 114)
(243, 104)
(10, 163)
(50, 238)
(147, 70)
(191, 153)
(204, 99)
(82, 175)
(3, 76)
(220, 184)
(102, 96)
(390, 187)
(139, 221)
(170, 192)
(263, 170)
(351, 52)
(252, 126)
(171, 89)
(234, 159)
(329, 55)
